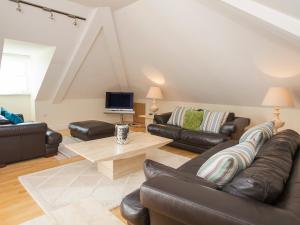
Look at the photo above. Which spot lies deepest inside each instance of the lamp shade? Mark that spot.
(154, 93)
(278, 96)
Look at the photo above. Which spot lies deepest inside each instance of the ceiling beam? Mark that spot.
(101, 20)
(267, 14)
(112, 42)
(81, 50)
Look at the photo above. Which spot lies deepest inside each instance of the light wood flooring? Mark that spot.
(16, 205)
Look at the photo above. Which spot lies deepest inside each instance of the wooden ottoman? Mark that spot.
(91, 130)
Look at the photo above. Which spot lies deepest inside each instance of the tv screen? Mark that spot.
(119, 100)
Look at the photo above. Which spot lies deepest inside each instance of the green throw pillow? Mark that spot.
(192, 119)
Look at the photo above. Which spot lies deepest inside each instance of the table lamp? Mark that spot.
(278, 97)
(154, 93)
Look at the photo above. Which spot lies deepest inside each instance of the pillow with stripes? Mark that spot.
(213, 121)
(224, 165)
(265, 129)
(177, 116)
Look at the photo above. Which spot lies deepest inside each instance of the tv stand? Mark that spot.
(120, 112)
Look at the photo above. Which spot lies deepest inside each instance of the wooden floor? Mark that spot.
(16, 205)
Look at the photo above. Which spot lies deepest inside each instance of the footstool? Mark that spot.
(91, 130)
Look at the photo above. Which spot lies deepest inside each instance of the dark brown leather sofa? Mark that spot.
(27, 141)
(266, 193)
(198, 141)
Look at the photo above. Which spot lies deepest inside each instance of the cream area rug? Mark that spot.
(77, 194)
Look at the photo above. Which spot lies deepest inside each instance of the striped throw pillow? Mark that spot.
(223, 166)
(266, 131)
(177, 116)
(213, 121)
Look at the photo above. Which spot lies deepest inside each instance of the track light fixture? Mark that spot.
(51, 15)
(19, 8)
(75, 23)
(49, 10)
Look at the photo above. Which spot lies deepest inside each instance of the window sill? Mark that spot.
(23, 94)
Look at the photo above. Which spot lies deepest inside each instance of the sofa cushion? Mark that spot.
(177, 116)
(266, 130)
(266, 178)
(202, 138)
(223, 166)
(193, 165)
(192, 119)
(213, 121)
(167, 131)
(13, 118)
(153, 169)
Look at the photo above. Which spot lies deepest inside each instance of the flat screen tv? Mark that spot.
(119, 101)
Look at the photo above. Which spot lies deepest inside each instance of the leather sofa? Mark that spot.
(266, 193)
(27, 141)
(198, 141)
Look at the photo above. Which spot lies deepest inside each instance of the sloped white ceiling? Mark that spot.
(204, 51)
(96, 74)
(114, 4)
(289, 7)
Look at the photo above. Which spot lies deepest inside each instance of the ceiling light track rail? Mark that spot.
(47, 9)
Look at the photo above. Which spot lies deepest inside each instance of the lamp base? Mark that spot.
(154, 108)
(278, 123)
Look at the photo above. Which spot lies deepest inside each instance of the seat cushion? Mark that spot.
(193, 165)
(266, 178)
(200, 138)
(92, 127)
(167, 131)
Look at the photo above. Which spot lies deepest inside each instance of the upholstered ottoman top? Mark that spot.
(91, 129)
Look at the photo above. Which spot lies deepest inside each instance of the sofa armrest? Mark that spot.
(188, 203)
(153, 169)
(235, 128)
(22, 129)
(162, 118)
(53, 137)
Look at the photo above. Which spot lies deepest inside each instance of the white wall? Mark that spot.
(256, 114)
(17, 104)
(58, 116)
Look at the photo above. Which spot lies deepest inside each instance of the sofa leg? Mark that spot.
(2, 165)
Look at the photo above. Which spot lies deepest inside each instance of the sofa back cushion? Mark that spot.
(223, 166)
(213, 121)
(177, 116)
(192, 119)
(265, 129)
(266, 178)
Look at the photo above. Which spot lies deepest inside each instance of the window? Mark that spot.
(14, 74)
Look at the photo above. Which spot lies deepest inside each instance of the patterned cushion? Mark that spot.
(213, 121)
(223, 166)
(265, 129)
(177, 116)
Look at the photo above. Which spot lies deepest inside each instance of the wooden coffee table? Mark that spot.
(115, 161)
